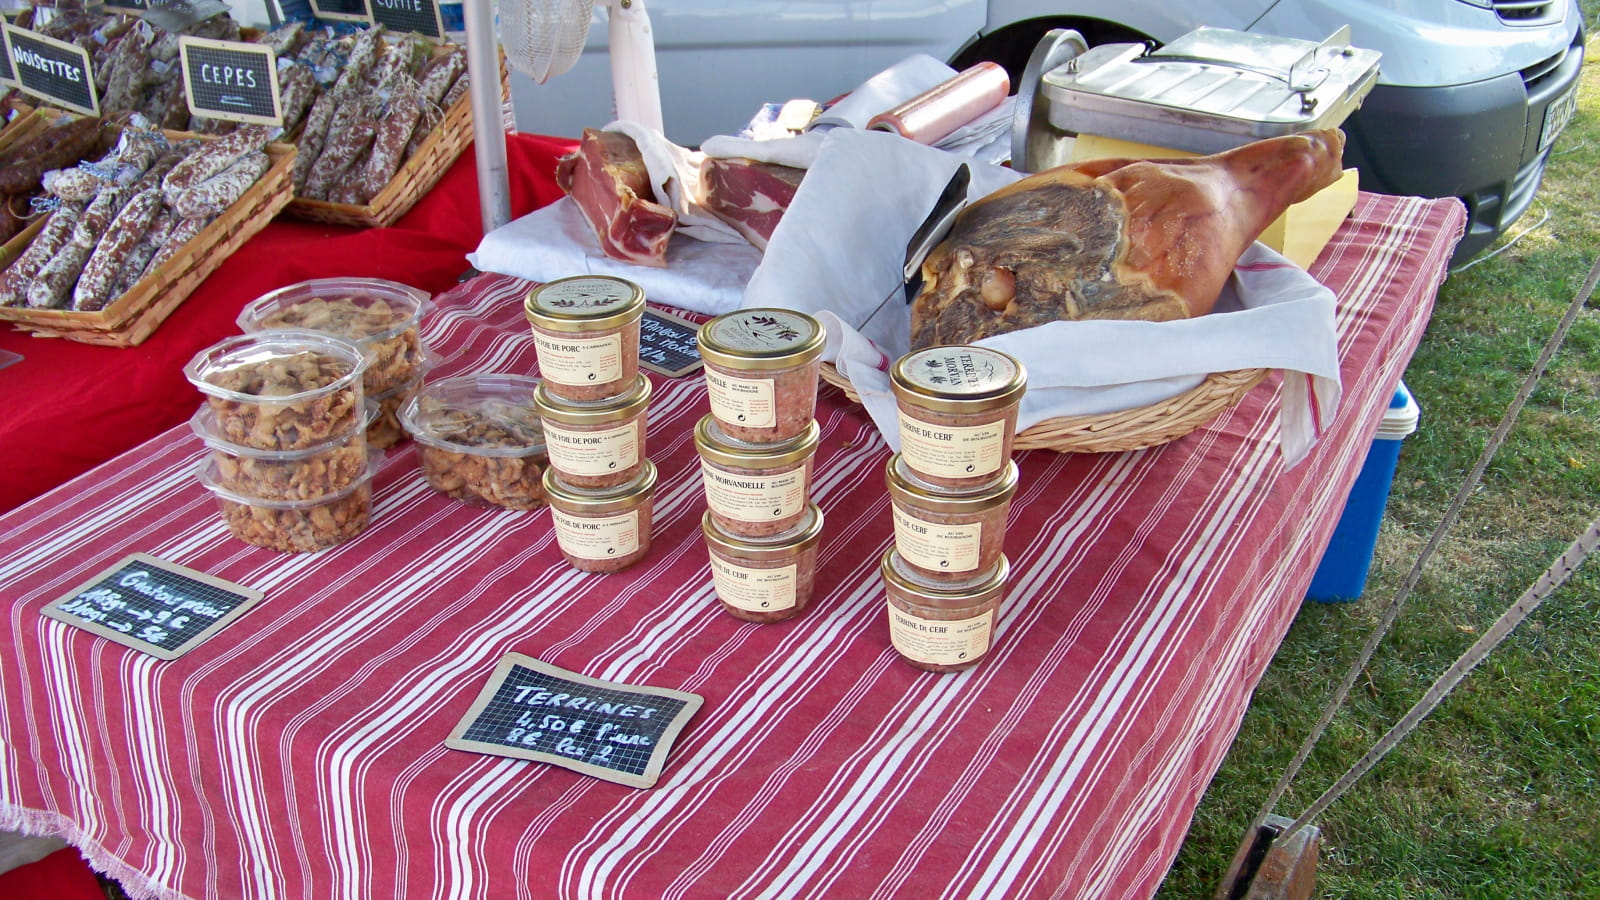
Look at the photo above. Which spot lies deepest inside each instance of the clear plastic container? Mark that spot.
(755, 490)
(479, 439)
(761, 368)
(586, 334)
(946, 536)
(958, 412)
(595, 444)
(379, 316)
(281, 390)
(385, 429)
(941, 627)
(605, 529)
(304, 474)
(295, 526)
(765, 579)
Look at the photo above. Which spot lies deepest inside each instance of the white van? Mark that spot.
(1470, 94)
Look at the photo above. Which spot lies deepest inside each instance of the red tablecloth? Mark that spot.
(71, 406)
(299, 752)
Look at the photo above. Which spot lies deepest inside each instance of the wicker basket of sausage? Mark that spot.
(137, 231)
(31, 142)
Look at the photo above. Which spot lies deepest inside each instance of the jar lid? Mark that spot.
(959, 378)
(897, 573)
(761, 338)
(906, 487)
(584, 303)
(717, 448)
(776, 546)
(264, 354)
(480, 414)
(598, 501)
(593, 412)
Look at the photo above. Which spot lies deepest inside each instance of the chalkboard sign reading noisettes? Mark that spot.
(533, 710)
(152, 605)
(55, 70)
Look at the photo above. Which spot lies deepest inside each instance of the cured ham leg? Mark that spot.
(750, 196)
(1113, 239)
(607, 178)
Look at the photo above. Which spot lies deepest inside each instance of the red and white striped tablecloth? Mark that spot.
(299, 752)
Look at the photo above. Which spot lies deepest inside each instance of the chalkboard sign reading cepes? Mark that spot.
(421, 16)
(54, 70)
(231, 80)
(154, 606)
(533, 710)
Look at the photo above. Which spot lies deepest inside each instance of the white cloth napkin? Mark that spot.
(839, 254)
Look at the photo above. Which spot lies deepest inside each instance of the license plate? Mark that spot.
(1556, 117)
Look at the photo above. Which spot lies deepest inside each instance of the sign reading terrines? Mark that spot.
(667, 344)
(231, 80)
(153, 606)
(421, 16)
(54, 70)
(533, 710)
(341, 10)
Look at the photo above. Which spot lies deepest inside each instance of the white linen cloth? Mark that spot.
(839, 252)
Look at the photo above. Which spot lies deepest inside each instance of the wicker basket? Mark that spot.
(1129, 429)
(134, 316)
(415, 177)
(26, 122)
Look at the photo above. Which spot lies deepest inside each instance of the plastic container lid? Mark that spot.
(207, 472)
(345, 360)
(1400, 419)
(484, 414)
(204, 424)
(381, 308)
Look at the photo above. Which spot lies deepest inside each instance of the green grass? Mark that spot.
(1496, 794)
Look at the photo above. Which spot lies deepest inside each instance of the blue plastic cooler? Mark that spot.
(1342, 574)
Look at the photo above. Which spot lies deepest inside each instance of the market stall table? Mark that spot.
(299, 752)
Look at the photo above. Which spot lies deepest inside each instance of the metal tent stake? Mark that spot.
(488, 131)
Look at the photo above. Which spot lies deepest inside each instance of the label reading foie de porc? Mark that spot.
(53, 70)
(231, 80)
(421, 16)
(531, 709)
(153, 606)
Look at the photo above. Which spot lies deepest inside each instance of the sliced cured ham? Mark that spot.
(1113, 239)
(607, 178)
(750, 196)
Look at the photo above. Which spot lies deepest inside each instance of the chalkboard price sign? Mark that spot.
(421, 16)
(154, 606)
(55, 70)
(125, 6)
(667, 344)
(341, 10)
(231, 80)
(533, 710)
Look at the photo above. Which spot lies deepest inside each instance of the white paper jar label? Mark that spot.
(578, 360)
(743, 401)
(940, 642)
(610, 537)
(950, 451)
(592, 452)
(754, 498)
(755, 590)
(941, 548)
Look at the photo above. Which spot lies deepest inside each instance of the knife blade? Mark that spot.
(952, 200)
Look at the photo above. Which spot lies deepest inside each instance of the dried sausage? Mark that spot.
(215, 194)
(105, 264)
(53, 284)
(214, 157)
(389, 144)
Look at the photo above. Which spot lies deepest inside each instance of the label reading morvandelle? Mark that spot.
(592, 452)
(611, 537)
(952, 452)
(746, 401)
(754, 498)
(568, 359)
(940, 642)
(756, 590)
(942, 548)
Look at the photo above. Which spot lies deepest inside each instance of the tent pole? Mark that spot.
(488, 131)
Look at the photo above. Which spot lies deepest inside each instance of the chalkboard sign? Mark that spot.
(231, 80)
(55, 70)
(154, 606)
(341, 10)
(8, 74)
(533, 710)
(421, 16)
(667, 344)
(125, 6)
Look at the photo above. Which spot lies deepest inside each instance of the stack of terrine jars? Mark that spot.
(756, 448)
(591, 402)
(951, 486)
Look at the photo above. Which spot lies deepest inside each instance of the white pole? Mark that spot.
(488, 132)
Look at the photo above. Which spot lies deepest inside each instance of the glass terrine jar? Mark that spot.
(761, 368)
(755, 490)
(765, 579)
(941, 627)
(958, 412)
(598, 443)
(602, 529)
(946, 536)
(586, 335)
